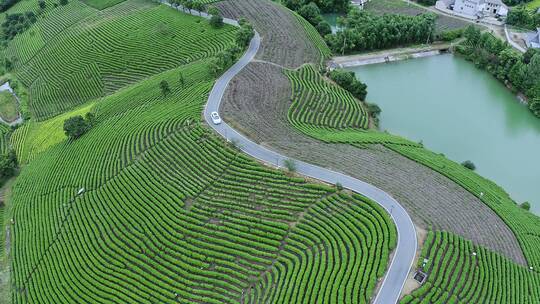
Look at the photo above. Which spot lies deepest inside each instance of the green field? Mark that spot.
(460, 272)
(149, 206)
(77, 53)
(102, 4)
(8, 106)
(331, 123)
(169, 209)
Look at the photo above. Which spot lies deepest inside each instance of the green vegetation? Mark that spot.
(4, 138)
(523, 17)
(8, 106)
(76, 126)
(170, 212)
(17, 23)
(348, 81)
(149, 206)
(469, 165)
(362, 30)
(102, 4)
(105, 51)
(8, 165)
(526, 226)
(315, 38)
(460, 272)
(326, 6)
(318, 267)
(317, 102)
(333, 126)
(522, 72)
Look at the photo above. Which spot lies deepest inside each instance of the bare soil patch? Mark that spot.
(284, 41)
(257, 102)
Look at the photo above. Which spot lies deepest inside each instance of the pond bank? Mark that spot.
(463, 112)
(389, 55)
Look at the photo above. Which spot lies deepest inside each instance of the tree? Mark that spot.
(90, 118)
(188, 4)
(75, 126)
(311, 13)
(534, 105)
(469, 165)
(63, 2)
(324, 28)
(216, 20)
(525, 205)
(348, 81)
(181, 80)
(290, 165)
(8, 165)
(529, 55)
(198, 6)
(42, 4)
(244, 34)
(164, 87)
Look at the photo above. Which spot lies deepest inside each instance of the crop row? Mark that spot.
(337, 265)
(169, 213)
(98, 56)
(525, 225)
(461, 272)
(318, 103)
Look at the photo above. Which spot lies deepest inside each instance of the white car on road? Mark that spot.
(215, 118)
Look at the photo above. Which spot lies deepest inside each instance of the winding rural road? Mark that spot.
(406, 244)
(405, 250)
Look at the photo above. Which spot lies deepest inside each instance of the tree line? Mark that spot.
(523, 17)
(520, 72)
(326, 6)
(362, 30)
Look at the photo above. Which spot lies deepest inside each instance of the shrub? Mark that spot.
(324, 28)
(339, 186)
(525, 205)
(8, 165)
(451, 35)
(290, 165)
(469, 165)
(76, 126)
(244, 35)
(348, 81)
(164, 87)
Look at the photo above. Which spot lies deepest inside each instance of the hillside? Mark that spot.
(149, 206)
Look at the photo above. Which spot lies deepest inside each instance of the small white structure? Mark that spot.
(533, 39)
(359, 3)
(474, 9)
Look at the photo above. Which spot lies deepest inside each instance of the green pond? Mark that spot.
(465, 113)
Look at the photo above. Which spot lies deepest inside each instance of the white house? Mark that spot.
(474, 9)
(533, 39)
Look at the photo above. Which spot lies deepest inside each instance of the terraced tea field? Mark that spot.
(99, 53)
(460, 272)
(523, 224)
(171, 213)
(149, 206)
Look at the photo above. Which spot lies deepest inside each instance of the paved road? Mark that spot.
(406, 244)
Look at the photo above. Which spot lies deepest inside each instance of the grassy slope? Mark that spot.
(170, 213)
(525, 225)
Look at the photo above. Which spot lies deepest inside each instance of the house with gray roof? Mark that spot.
(533, 39)
(474, 9)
